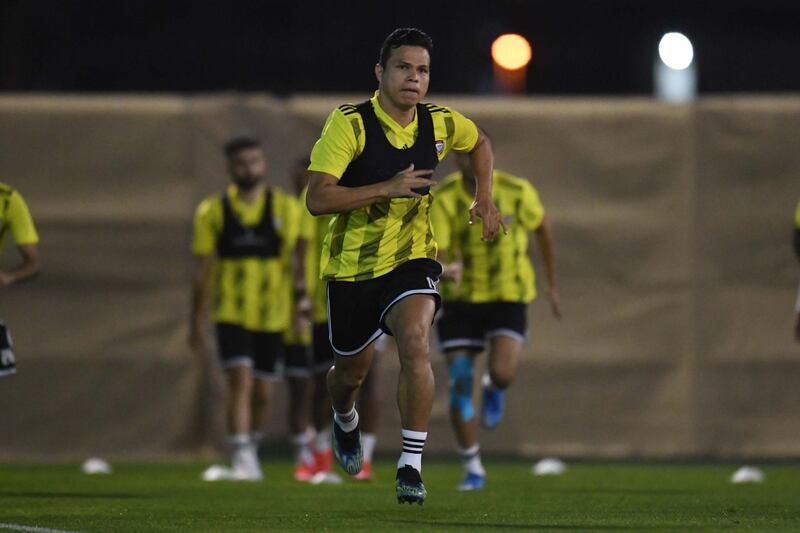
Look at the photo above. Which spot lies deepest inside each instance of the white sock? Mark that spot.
(238, 440)
(302, 443)
(244, 456)
(347, 421)
(368, 441)
(413, 443)
(322, 442)
(471, 460)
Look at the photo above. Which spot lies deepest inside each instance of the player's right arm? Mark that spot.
(332, 153)
(203, 248)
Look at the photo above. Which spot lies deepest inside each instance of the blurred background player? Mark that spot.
(371, 167)
(797, 253)
(489, 305)
(310, 413)
(15, 218)
(243, 238)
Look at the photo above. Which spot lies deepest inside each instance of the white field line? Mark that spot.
(32, 529)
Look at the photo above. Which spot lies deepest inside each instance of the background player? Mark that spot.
(242, 240)
(489, 305)
(371, 168)
(15, 218)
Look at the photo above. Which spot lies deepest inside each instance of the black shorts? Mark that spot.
(323, 351)
(356, 309)
(257, 349)
(468, 325)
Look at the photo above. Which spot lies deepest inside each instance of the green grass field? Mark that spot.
(607, 497)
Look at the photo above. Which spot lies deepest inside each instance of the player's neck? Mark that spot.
(251, 195)
(403, 117)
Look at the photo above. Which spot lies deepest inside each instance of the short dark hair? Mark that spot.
(404, 37)
(237, 144)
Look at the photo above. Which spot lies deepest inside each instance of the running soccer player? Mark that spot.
(372, 169)
(489, 305)
(16, 218)
(242, 240)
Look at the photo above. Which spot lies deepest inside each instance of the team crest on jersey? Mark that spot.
(439, 146)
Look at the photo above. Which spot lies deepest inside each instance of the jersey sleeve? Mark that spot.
(20, 221)
(465, 133)
(531, 209)
(205, 237)
(797, 217)
(337, 145)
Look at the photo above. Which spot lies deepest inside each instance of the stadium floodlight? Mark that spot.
(676, 51)
(511, 51)
(674, 71)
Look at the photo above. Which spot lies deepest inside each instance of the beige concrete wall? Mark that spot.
(672, 225)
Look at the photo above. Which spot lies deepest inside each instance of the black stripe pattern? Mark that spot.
(413, 445)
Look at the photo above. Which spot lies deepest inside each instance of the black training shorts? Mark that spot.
(469, 325)
(257, 349)
(357, 309)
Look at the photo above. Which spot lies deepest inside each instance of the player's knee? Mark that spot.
(501, 377)
(414, 350)
(461, 370)
(350, 377)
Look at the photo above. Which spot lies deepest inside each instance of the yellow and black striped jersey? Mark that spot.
(500, 270)
(355, 247)
(250, 292)
(15, 217)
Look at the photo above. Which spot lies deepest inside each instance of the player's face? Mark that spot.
(406, 76)
(247, 167)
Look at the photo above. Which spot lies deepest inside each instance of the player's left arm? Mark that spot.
(30, 266)
(546, 244)
(481, 157)
(20, 223)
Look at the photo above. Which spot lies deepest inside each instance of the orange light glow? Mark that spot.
(511, 51)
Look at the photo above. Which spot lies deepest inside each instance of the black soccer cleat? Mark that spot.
(347, 449)
(409, 485)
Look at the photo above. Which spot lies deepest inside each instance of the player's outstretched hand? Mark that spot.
(490, 215)
(401, 185)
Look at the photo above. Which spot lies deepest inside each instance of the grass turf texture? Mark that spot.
(607, 497)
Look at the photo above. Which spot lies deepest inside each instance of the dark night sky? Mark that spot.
(580, 46)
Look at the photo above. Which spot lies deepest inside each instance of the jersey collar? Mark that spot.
(384, 117)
